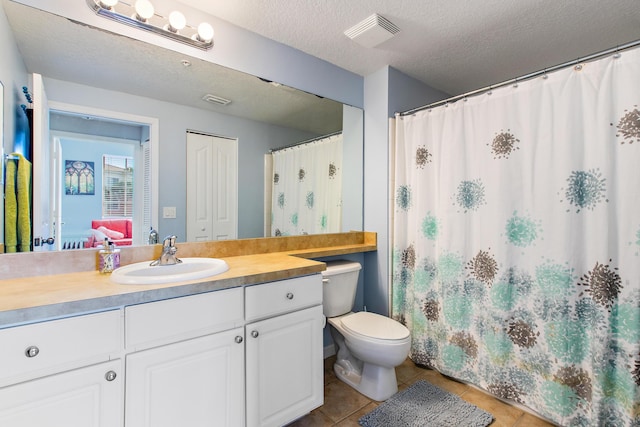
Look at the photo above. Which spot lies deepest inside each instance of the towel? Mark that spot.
(10, 208)
(18, 205)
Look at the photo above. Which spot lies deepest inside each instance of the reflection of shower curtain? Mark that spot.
(517, 241)
(307, 188)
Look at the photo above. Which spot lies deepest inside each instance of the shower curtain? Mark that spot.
(307, 188)
(516, 241)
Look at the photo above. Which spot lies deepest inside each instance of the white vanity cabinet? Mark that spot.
(59, 373)
(284, 360)
(233, 357)
(188, 365)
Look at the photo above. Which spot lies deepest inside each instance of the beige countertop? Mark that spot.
(27, 299)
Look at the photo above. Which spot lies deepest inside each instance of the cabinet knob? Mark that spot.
(239, 339)
(289, 295)
(110, 376)
(254, 334)
(32, 351)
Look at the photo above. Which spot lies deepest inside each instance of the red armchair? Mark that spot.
(119, 231)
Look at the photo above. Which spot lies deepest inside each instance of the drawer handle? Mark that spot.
(32, 351)
(110, 376)
(289, 295)
(254, 334)
(239, 339)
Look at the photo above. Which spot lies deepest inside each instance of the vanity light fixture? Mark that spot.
(142, 14)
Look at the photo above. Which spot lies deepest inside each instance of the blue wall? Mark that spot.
(79, 210)
(254, 140)
(387, 91)
(13, 75)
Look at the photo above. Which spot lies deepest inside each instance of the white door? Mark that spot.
(284, 367)
(195, 383)
(42, 220)
(87, 397)
(212, 188)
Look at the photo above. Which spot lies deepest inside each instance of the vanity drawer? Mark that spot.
(156, 323)
(270, 299)
(39, 349)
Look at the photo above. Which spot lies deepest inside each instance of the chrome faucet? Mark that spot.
(169, 250)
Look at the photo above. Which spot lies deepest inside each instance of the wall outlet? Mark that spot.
(169, 212)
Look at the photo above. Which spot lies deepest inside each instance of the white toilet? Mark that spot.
(369, 346)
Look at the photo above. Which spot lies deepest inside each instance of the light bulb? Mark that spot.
(144, 10)
(177, 21)
(108, 4)
(205, 32)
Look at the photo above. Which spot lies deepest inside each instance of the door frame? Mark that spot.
(153, 124)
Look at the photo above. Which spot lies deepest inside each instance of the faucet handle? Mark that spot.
(169, 241)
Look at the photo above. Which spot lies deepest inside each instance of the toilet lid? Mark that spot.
(375, 326)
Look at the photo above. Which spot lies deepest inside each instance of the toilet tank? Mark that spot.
(339, 285)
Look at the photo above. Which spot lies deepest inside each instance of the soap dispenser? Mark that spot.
(105, 258)
(153, 237)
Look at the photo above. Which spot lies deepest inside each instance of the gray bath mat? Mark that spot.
(423, 404)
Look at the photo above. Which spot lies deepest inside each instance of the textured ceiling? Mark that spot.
(452, 45)
(138, 68)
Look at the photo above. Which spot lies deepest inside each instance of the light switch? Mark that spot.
(169, 212)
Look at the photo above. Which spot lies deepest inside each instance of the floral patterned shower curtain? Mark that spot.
(307, 188)
(516, 239)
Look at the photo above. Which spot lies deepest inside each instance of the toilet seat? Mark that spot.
(374, 326)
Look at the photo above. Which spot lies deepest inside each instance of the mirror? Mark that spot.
(84, 66)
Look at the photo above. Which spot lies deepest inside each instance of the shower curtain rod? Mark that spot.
(318, 138)
(544, 71)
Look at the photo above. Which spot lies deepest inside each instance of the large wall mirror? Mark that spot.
(87, 71)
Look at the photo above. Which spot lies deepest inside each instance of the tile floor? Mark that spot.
(343, 406)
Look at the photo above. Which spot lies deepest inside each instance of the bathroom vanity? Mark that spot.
(241, 348)
(173, 362)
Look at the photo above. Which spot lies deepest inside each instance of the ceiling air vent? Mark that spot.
(373, 31)
(216, 99)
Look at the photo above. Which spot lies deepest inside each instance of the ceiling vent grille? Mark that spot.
(372, 31)
(216, 99)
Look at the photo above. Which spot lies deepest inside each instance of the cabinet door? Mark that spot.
(284, 367)
(198, 382)
(86, 397)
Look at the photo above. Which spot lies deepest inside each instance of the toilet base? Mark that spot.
(375, 382)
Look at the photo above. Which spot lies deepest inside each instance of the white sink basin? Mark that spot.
(142, 273)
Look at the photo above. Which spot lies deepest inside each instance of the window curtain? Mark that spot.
(307, 188)
(516, 241)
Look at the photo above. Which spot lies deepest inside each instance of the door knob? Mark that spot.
(239, 339)
(254, 334)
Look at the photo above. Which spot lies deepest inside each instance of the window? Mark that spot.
(117, 186)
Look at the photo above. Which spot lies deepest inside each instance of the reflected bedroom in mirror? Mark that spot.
(117, 142)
